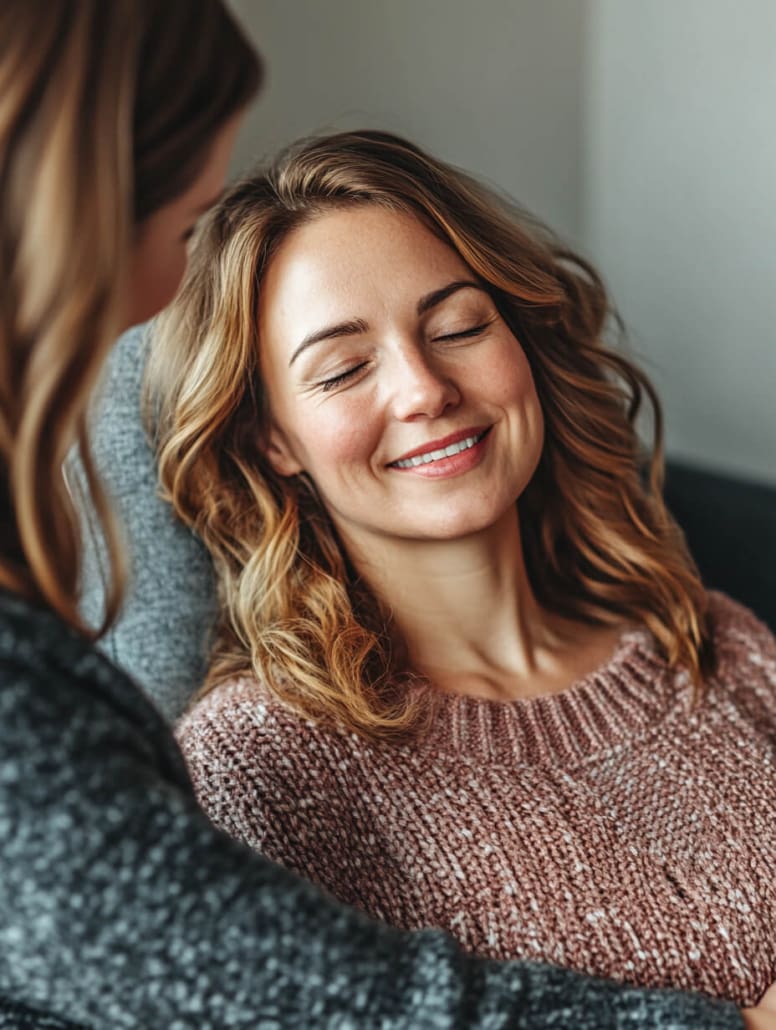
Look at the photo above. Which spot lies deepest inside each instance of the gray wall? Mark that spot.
(493, 86)
(679, 210)
(642, 130)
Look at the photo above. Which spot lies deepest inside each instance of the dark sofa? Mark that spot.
(730, 526)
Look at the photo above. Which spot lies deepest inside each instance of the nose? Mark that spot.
(420, 389)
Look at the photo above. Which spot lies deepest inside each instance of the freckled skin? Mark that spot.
(415, 384)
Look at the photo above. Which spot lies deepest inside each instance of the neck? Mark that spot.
(465, 609)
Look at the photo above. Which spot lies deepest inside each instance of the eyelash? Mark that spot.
(476, 330)
(330, 384)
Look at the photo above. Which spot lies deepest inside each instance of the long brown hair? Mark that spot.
(107, 112)
(599, 543)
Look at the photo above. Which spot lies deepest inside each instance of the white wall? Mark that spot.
(644, 130)
(679, 210)
(492, 85)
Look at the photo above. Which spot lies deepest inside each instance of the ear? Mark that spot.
(280, 454)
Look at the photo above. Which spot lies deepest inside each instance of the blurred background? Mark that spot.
(643, 133)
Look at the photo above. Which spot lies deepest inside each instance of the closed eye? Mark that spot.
(329, 384)
(476, 330)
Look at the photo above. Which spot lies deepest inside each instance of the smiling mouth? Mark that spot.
(443, 452)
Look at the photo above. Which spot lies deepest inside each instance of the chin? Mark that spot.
(466, 524)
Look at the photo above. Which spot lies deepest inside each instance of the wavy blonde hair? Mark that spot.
(107, 112)
(599, 543)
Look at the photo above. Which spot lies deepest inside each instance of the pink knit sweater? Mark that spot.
(612, 827)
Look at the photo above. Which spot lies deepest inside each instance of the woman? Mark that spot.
(466, 675)
(120, 905)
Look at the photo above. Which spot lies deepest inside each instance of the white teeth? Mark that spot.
(444, 452)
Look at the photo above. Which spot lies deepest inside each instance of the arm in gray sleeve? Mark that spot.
(122, 906)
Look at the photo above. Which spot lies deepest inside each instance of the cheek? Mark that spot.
(509, 378)
(524, 389)
(159, 292)
(514, 390)
(156, 275)
(171, 276)
(338, 436)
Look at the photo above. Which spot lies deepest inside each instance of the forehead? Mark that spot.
(353, 263)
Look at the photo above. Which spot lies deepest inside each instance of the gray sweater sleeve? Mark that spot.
(121, 906)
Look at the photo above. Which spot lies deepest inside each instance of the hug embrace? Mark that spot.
(464, 676)
(465, 673)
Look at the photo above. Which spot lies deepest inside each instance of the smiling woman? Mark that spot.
(466, 674)
(417, 359)
(317, 340)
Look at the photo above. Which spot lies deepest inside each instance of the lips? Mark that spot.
(446, 446)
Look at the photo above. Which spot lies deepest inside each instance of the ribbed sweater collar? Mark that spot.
(627, 695)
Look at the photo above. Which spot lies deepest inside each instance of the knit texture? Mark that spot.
(122, 908)
(162, 633)
(613, 828)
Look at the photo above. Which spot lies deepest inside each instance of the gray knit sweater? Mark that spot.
(121, 906)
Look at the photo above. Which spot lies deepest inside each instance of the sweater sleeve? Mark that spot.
(273, 782)
(746, 659)
(224, 781)
(121, 906)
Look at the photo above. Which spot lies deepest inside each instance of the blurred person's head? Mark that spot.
(354, 301)
(116, 122)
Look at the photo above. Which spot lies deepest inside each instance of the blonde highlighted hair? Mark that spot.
(599, 543)
(107, 112)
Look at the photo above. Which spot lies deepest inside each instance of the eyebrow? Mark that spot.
(431, 300)
(356, 326)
